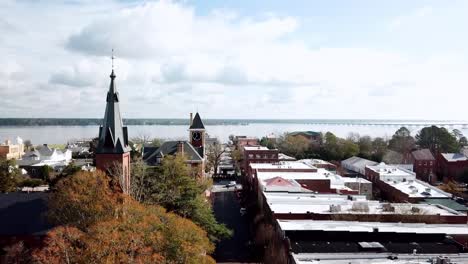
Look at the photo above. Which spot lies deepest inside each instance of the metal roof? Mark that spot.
(113, 136)
(197, 122)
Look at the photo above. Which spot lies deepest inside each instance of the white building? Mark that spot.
(46, 156)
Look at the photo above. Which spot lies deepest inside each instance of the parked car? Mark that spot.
(231, 184)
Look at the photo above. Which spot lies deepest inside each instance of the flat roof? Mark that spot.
(372, 258)
(255, 148)
(303, 204)
(355, 226)
(281, 165)
(389, 170)
(418, 189)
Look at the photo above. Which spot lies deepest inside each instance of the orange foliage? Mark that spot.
(83, 199)
(114, 228)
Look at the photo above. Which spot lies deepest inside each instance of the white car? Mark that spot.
(231, 184)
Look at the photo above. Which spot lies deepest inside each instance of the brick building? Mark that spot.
(451, 165)
(399, 185)
(193, 150)
(8, 150)
(314, 138)
(424, 165)
(257, 154)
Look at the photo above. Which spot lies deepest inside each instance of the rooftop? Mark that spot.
(422, 154)
(390, 170)
(355, 226)
(255, 148)
(281, 165)
(319, 204)
(417, 189)
(454, 156)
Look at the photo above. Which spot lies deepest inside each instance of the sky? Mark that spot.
(297, 59)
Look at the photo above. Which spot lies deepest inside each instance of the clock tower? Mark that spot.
(197, 134)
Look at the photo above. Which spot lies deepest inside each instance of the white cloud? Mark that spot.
(172, 60)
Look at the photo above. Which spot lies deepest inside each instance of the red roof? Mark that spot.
(278, 181)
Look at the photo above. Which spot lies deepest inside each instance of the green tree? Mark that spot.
(379, 147)
(349, 148)
(437, 139)
(46, 169)
(9, 176)
(267, 142)
(365, 147)
(402, 141)
(294, 146)
(172, 187)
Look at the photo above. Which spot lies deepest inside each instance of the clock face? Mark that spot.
(196, 136)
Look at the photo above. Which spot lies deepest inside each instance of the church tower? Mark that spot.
(113, 146)
(197, 134)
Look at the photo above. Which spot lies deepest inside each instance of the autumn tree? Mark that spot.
(402, 141)
(82, 200)
(214, 152)
(102, 225)
(9, 176)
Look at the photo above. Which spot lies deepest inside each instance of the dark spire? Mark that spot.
(113, 136)
(197, 122)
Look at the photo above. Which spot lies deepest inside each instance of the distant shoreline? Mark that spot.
(182, 121)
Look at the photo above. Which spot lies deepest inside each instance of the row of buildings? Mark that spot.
(303, 211)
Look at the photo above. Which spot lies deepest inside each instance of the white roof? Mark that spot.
(255, 148)
(418, 189)
(319, 204)
(357, 164)
(354, 226)
(354, 179)
(454, 156)
(385, 170)
(281, 165)
(373, 258)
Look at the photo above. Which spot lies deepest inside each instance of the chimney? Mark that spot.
(180, 147)
(191, 119)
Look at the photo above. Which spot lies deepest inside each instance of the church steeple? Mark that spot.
(113, 146)
(113, 136)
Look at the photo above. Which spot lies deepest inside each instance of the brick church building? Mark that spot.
(113, 148)
(193, 149)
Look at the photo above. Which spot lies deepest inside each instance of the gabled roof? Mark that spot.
(278, 181)
(197, 123)
(454, 157)
(113, 136)
(170, 148)
(46, 151)
(422, 154)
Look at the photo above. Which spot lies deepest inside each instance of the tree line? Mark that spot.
(331, 147)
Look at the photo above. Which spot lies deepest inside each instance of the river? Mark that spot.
(63, 134)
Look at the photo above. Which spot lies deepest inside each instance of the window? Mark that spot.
(258, 156)
(251, 156)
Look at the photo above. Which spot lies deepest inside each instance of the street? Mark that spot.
(227, 210)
